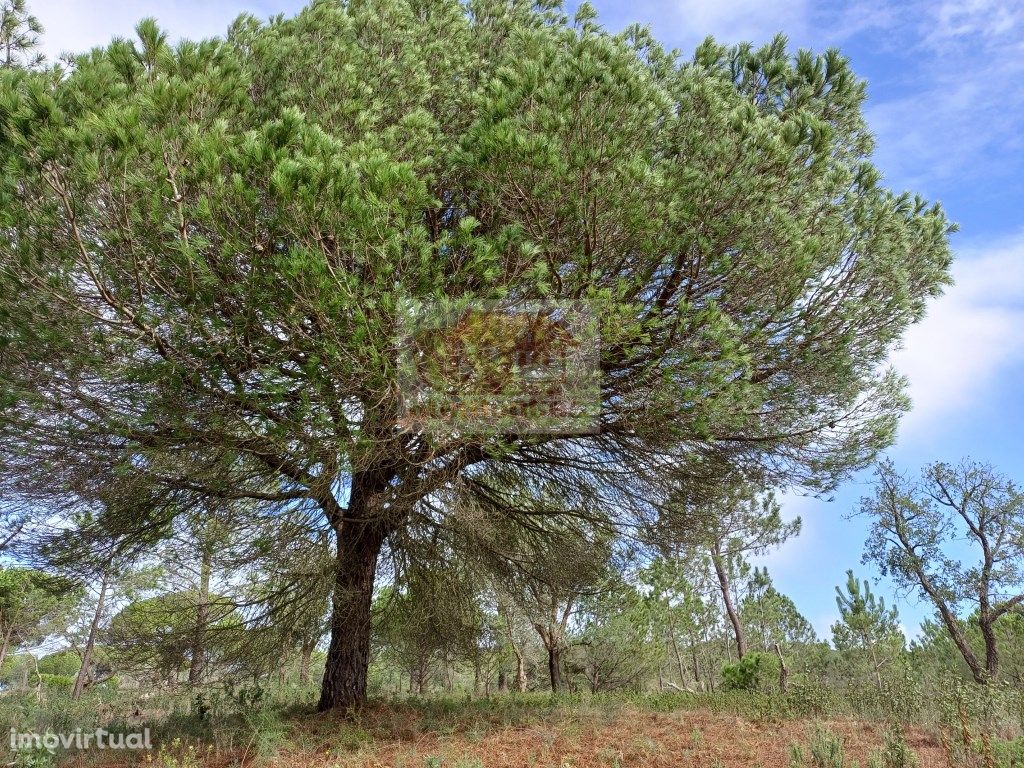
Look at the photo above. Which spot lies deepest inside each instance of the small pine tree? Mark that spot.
(19, 36)
(866, 625)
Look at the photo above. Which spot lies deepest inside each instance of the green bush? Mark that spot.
(754, 672)
(896, 753)
(64, 663)
(33, 757)
(825, 750)
(57, 682)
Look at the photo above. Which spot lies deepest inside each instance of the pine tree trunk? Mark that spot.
(198, 655)
(555, 666)
(348, 657)
(730, 608)
(419, 684)
(679, 658)
(520, 673)
(5, 645)
(90, 643)
(991, 646)
(304, 662)
(783, 670)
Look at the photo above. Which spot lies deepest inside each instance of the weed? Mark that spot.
(34, 757)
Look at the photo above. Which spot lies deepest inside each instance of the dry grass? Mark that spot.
(624, 736)
(628, 738)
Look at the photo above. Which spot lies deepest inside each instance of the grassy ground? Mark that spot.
(520, 732)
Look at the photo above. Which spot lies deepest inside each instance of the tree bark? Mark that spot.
(783, 669)
(988, 633)
(555, 666)
(198, 655)
(730, 608)
(418, 677)
(90, 643)
(5, 645)
(951, 623)
(520, 661)
(679, 658)
(304, 662)
(348, 657)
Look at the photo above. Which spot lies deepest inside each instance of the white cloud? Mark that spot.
(970, 336)
(989, 18)
(961, 117)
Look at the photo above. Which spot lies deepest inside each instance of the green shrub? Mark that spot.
(895, 752)
(825, 750)
(65, 663)
(57, 682)
(754, 672)
(34, 757)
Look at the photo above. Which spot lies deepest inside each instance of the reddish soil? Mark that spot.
(623, 738)
(627, 739)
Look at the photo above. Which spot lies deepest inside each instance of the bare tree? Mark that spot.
(917, 535)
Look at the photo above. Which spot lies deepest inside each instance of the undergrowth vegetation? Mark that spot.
(969, 726)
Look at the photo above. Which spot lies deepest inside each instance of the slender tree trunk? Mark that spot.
(952, 624)
(305, 660)
(783, 669)
(282, 667)
(730, 608)
(555, 665)
(991, 646)
(5, 645)
(679, 658)
(502, 681)
(520, 661)
(520, 672)
(949, 619)
(711, 677)
(419, 686)
(198, 656)
(875, 664)
(90, 643)
(348, 657)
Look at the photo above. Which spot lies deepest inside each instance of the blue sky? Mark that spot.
(946, 102)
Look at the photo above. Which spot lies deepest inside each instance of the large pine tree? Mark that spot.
(206, 248)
